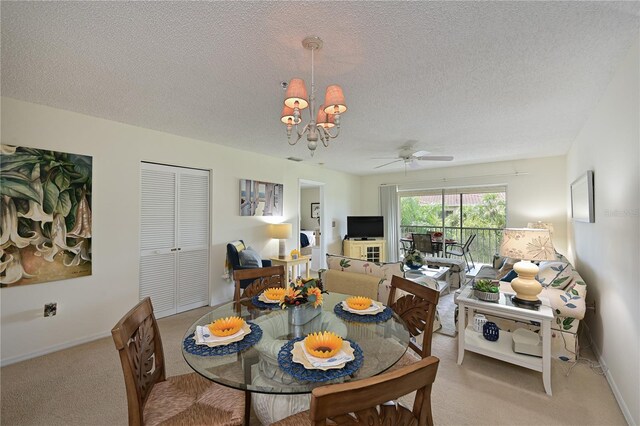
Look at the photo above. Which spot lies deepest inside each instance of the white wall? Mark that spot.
(539, 191)
(88, 307)
(308, 196)
(607, 252)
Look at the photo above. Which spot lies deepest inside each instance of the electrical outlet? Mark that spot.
(50, 309)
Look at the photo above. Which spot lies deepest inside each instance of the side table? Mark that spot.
(469, 339)
(289, 263)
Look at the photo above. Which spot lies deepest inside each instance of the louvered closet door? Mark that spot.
(193, 239)
(174, 238)
(158, 253)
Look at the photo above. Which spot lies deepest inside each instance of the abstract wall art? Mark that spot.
(260, 198)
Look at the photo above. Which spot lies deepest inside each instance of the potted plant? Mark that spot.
(414, 259)
(487, 290)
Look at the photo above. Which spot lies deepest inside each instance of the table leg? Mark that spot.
(247, 408)
(546, 356)
(308, 265)
(462, 325)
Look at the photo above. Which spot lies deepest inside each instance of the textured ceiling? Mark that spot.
(480, 81)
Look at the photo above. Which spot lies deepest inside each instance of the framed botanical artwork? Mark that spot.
(46, 215)
(582, 198)
(315, 210)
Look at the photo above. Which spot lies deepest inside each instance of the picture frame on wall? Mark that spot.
(315, 210)
(258, 198)
(582, 198)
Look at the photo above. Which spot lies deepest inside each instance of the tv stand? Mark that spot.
(370, 250)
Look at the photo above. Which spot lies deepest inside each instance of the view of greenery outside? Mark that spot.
(483, 214)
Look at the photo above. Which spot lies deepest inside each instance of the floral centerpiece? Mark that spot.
(414, 259)
(303, 291)
(437, 236)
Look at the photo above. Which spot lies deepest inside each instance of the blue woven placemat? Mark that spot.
(261, 305)
(346, 315)
(285, 359)
(249, 340)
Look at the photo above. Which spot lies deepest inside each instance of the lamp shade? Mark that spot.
(288, 117)
(541, 225)
(527, 244)
(334, 100)
(280, 230)
(325, 120)
(296, 92)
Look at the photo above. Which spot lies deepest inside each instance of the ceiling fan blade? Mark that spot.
(386, 164)
(420, 153)
(436, 157)
(413, 164)
(383, 158)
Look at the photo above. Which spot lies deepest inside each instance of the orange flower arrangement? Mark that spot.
(323, 345)
(303, 291)
(226, 326)
(358, 302)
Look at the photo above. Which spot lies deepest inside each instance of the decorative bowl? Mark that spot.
(486, 296)
(275, 293)
(413, 266)
(226, 326)
(358, 303)
(323, 345)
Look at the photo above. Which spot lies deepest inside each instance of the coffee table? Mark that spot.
(470, 340)
(439, 274)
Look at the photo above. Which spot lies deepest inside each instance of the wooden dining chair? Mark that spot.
(416, 305)
(370, 401)
(154, 399)
(261, 279)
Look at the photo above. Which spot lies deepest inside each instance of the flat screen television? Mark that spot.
(365, 227)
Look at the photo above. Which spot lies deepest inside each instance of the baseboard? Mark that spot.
(612, 384)
(54, 348)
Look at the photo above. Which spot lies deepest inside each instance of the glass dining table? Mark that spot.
(258, 371)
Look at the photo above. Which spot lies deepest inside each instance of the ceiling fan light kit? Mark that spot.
(296, 100)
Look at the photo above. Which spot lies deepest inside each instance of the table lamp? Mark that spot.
(527, 244)
(280, 231)
(541, 225)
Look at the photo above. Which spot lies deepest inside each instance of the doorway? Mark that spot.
(312, 222)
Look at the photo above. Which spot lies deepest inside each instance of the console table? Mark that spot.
(470, 340)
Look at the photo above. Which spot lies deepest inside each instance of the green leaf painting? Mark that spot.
(46, 215)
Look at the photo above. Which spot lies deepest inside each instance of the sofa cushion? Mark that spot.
(249, 258)
(351, 283)
(555, 275)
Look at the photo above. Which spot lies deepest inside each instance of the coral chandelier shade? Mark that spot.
(297, 99)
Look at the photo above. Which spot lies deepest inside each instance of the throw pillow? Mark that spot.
(507, 267)
(249, 258)
(509, 277)
(555, 275)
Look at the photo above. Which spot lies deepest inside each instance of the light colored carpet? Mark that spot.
(84, 386)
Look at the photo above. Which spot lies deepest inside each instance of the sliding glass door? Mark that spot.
(458, 213)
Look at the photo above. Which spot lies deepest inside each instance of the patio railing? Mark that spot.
(486, 244)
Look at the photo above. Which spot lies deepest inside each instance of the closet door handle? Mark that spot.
(174, 249)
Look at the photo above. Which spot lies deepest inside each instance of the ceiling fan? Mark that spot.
(411, 158)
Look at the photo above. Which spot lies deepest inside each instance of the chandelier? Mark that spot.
(296, 100)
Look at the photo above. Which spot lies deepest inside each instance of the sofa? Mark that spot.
(370, 279)
(566, 291)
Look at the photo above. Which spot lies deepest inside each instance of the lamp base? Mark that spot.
(281, 249)
(525, 285)
(527, 304)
